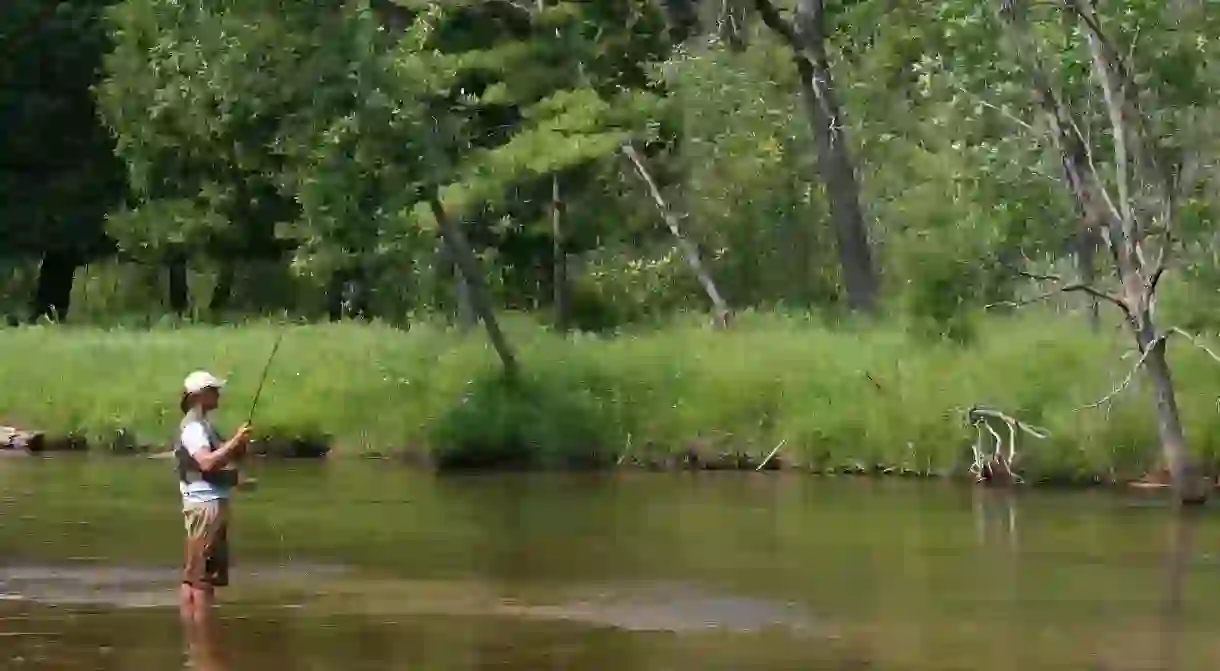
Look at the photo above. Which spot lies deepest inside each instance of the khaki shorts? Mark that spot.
(207, 544)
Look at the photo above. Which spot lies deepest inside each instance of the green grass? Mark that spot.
(836, 396)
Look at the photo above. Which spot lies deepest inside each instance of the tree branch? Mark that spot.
(1158, 273)
(772, 19)
(1098, 183)
(1126, 380)
(1159, 340)
(1073, 287)
(515, 5)
(982, 101)
(1194, 340)
(688, 248)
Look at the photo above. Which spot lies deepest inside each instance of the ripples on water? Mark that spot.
(661, 572)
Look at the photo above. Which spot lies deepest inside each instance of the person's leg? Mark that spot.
(186, 606)
(219, 554)
(192, 572)
(202, 522)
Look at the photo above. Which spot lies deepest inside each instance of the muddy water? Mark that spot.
(363, 566)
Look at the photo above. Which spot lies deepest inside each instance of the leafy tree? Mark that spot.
(58, 173)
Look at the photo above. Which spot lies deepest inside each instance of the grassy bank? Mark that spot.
(836, 397)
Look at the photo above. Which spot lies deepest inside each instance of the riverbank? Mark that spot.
(838, 400)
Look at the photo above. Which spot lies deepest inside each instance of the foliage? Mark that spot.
(284, 151)
(58, 172)
(541, 423)
(883, 398)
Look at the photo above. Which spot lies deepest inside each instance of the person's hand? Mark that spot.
(242, 437)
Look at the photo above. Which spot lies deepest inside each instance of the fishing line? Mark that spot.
(250, 420)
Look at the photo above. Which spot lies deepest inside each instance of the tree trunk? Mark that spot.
(807, 40)
(835, 163)
(53, 293)
(466, 316)
(1182, 472)
(223, 293)
(559, 259)
(347, 295)
(689, 250)
(179, 289)
(731, 24)
(447, 274)
(1086, 262)
(468, 267)
(334, 295)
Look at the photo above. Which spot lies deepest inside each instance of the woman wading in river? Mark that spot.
(207, 474)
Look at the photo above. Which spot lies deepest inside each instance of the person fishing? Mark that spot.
(207, 475)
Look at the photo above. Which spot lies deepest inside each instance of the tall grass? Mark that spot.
(837, 397)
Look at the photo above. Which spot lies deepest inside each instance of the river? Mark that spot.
(364, 565)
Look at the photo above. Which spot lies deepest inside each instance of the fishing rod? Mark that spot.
(263, 379)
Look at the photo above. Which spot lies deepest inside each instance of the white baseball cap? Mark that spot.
(200, 380)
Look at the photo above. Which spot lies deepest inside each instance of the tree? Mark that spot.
(197, 96)
(806, 37)
(58, 173)
(1142, 211)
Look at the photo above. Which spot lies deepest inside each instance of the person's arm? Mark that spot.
(195, 440)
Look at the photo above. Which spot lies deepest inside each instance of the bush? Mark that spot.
(537, 424)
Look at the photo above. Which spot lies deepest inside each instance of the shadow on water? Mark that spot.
(640, 572)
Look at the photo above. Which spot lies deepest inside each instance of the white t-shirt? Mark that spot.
(198, 437)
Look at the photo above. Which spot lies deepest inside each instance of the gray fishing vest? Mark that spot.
(188, 468)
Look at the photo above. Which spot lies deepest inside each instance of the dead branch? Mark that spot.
(1073, 287)
(1121, 70)
(1126, 380)
(771, 456)
(1194, 340)
(1099, 184)
(515, 5)
(689, 250)
(981, 417)
(1113, 94)
(990, 105)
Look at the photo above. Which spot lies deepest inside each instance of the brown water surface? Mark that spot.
(363, 566)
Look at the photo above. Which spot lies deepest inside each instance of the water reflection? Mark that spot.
(1181, 537)
(995, 516)
(602, 574)
(203, 644)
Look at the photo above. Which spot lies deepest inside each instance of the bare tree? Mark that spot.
(806, 37)
(1131, 216)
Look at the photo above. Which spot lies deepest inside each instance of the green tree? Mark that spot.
(58, 173)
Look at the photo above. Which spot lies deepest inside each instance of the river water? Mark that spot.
(348, 566)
